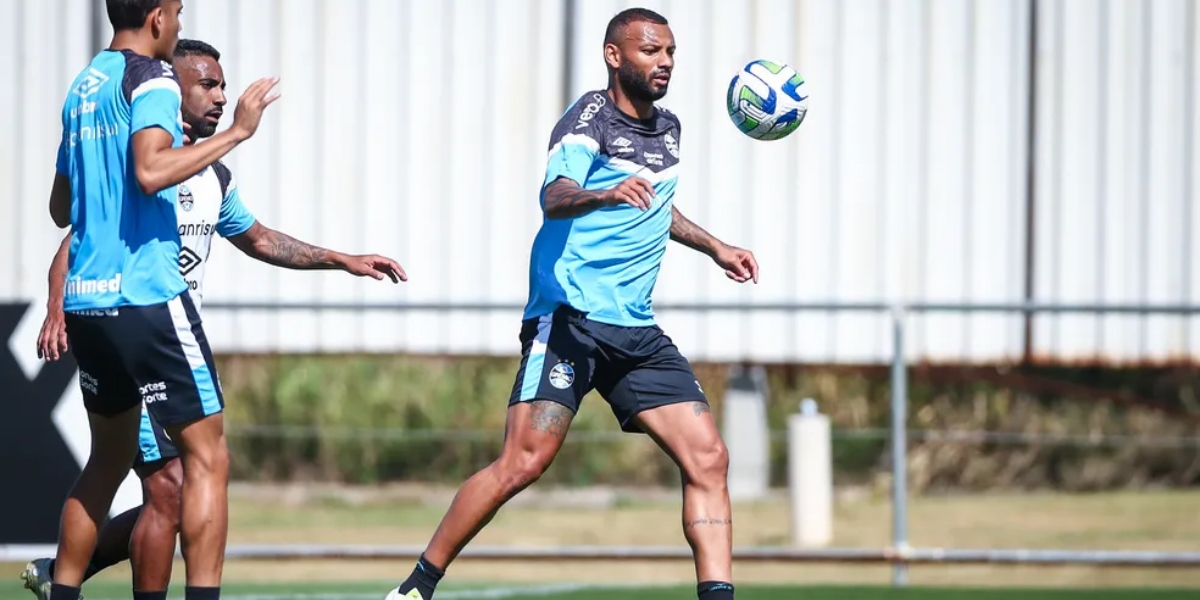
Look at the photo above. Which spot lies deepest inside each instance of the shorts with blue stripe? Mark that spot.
(156, 356)
(565, 355)
(154, 444)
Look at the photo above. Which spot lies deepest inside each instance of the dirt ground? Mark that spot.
(407, 516)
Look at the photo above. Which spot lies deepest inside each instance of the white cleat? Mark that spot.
(395, 595)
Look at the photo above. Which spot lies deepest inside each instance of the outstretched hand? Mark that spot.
(374, 266)
(739, 263)
(52, 341)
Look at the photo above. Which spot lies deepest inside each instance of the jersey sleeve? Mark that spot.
(234, 218)
(576, 141)
(152, 90)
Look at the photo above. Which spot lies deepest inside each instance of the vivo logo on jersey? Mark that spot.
(589, 111)
(84, 287)
(100, 131)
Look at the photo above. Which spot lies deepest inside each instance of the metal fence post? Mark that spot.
(899, 448)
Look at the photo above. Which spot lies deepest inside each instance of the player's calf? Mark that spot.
(205, 503)
(533, 435)
(153, 538)
(114, 444)
(687, 432)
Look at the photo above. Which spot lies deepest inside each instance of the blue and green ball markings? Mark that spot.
(749, 110)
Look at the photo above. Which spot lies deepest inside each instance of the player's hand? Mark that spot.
(634, 191)
(52, 341)
(374, 266)
(251, 105)
(739, 263)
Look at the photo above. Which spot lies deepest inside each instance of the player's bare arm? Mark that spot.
(564, 199)
(282, 250)
(739, 264)
(158, 165)
(60, 201)
(52, 341)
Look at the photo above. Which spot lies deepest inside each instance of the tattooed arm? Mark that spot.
(282, 250)
(739, 264)
(564, 199)
(692, 235)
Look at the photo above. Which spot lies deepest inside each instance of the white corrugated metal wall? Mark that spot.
(418, 130)
(1117, 207)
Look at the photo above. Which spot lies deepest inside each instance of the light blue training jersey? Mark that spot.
(124, 243)
(605, 263)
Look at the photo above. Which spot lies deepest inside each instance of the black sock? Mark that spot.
(63, 592)
(424, 579)
(149, 595)
(201, 593)
(714, 590)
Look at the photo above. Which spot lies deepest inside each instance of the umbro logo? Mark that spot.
(91, 83)
(623, 145)
(188, 260)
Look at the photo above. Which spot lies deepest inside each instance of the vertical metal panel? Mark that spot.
(38, 74)
(419, 130)
(905, 182)
(410, 129)
(1116, 203)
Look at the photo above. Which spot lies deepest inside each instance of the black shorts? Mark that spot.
(154, 355)
(564, 356)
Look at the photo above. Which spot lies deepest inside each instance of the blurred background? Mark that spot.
(1005, 190)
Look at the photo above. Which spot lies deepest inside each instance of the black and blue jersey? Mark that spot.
(124, 244)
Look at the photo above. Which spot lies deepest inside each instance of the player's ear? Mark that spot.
(612, 56)
(156, 21)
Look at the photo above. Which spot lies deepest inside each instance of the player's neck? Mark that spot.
(134, 41)
(639, 109)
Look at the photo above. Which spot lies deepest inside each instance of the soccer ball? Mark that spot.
(766, 100)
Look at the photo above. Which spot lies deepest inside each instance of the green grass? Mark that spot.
(108, 590)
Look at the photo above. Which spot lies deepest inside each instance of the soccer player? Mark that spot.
(608, 204)
(208, 204)
(135, 333)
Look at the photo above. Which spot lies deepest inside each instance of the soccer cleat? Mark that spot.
(37, 578)
(395, 595)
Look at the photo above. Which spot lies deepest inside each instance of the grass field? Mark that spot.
(358, 591)
(407, 515)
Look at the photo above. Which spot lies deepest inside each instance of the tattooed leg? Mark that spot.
(687, 432)
(533, 435)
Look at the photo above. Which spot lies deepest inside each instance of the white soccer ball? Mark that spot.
(766, 100)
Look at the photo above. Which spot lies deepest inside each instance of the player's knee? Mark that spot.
(520, 469)
(709, 465)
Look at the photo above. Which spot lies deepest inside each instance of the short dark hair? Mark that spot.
(130, 14)
(196, 48)
(630, 15)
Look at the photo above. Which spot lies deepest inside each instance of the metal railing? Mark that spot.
(900, 554)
